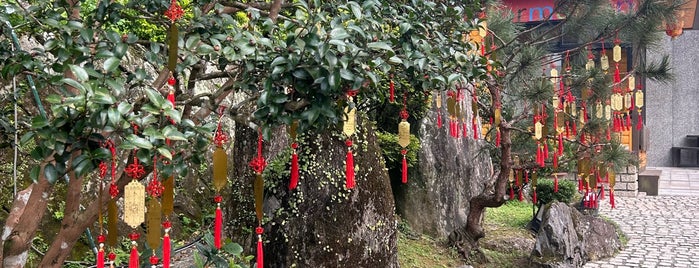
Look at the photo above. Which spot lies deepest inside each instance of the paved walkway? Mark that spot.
(663, 230)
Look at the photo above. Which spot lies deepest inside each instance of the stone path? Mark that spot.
(663, 231)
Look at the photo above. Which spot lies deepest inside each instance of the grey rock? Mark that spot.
(568, 238)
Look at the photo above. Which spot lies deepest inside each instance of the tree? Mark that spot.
(520, 92)
(320, 50)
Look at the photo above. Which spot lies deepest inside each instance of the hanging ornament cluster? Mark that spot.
(438, 104)
(404, 138)
(220, 177)
(258, 165)
(154, 212)
(134, 204)
(348, 129)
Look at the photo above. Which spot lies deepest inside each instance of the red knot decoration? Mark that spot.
(175, 11)
(135, 170)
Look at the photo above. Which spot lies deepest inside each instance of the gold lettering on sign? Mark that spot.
(438, 99)
(599, 110)
(134, 203)
(608, 112)
(538, 130)
(639, 99)
(604, 63)
(617, 53)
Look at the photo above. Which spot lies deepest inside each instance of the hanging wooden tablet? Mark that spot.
(168, 196)
(153, 222)
(100, 238)
(451, 109)
(639, 99)
(604, 60)
(404, 140)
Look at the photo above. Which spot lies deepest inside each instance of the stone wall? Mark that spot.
(627, 182)
(671, 109)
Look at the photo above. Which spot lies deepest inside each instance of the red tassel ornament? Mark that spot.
(526, 176)
(100, 253)
(166, 244)
(349, 166)
(260, 255)
(465, 129)
(497, 138)
(611, 197)
(133, 257)
(512, 192)
(521, 196)
(534, 199)
(218, 226)
(294, 167)
(475, 128)
(555, 184)
(439, 119)
(560, 144)
(154, 261)
(639, 124)
(601, 192)
(405, 166)
(580, 184)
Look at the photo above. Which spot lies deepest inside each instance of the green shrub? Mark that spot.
(545, 193)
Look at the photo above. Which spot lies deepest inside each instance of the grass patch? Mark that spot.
(422, 251)
(512, 214)
(507, 242)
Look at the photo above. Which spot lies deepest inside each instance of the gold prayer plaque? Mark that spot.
(350, 125)
(632, 83)
(608, 112)
(168, 195)
(604, 63)
(627, 100)
(153, 223)
(554, 77)
(498, 116)
(220, 169)
(134, 203)
(590, 64)
(639, 99)
(538, 130)
(617, 53)
(451, 106)
(404, 134)
(293, 128)
(599, 110)
(438, 99)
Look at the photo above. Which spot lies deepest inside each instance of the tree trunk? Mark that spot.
(320, 223)
(17, 240)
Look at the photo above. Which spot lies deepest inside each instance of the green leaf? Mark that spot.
(34, 174)
(174, 114)
(205, 49)
(39, 122)
(233, 248)
(379, 46)
(102, 96)
(111, 64)
(155, 98)
(356, 9)
(50, 173)
(79, 72)
(73, 83)
(26, 138)
(339, 34)
(278, 61)
(82, 165)
(139, 142)
(172, 133)
(165, 152)
(124, 107)
(114, 116)
(192, 41)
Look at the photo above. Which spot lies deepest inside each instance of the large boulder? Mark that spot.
(567, 238)
(450, 172)
(320, 223)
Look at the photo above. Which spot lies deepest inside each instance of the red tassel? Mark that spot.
(218, 226)
(534, 198)
(567, 129)
(133, 258)
(260, 254)
(100, 258)
(546, 151)
(575, 128)
(639, 124)
(560, 144)
(583, 141)
(294, 168)
(617, 76)
(512, 192)
(538, 153)
(599, 178)
(465, 129)
(475, 128)
(497, 138)
(521, 197)
(166, 251)
(439, 120)
(611, 197)
(555, 160)
(609, 135)
(555, 184)
(349, 167)
(171, 97)
(405, 168)
(526, 177)
(601, 193)
(580, 184)
(391, 91)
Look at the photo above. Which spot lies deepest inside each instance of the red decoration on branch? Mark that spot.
(405, 166)
(166, 244)
(391, 91)
(175, 11)
(218, 224)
